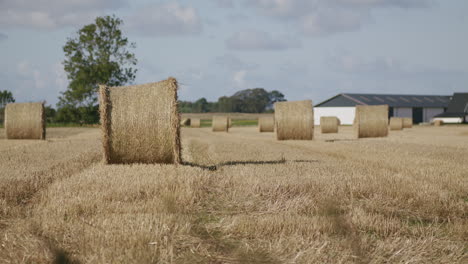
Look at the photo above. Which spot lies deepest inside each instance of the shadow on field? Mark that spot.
(247, 162)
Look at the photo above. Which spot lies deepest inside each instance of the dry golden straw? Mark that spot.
(438, 123)
(371, 121)
(25, 121)
(266, 124)
(329, 124)
(141, 123)
(294, 120)
(185, 122)
(195, 122)
(407, 122)
(396, 123)
(220, 124)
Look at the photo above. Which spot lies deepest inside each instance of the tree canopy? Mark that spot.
(5, 98)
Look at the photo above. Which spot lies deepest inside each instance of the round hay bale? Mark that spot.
(396, 123)
(185, 122)
(438, 122)
(329, 124)
(220, 124)
(195, 122)
(25, 121)
(407, 122)
(266, 124)
(141, 123)
(294, 120)
(371, 121)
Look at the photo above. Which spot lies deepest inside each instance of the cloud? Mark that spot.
(259, 40)
(239, 78)
(224, 3)
(233, 63)
(52, 14)
(324, 17)
(169, 19)
(3, 37)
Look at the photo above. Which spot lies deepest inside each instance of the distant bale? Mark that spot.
(229, 122)
(371, 121)
(407, 122)
(339, 121)
(266, 124)
(141, 123)
(396, 123)
(438, 123)
(195, 122)
(185, 122)
(25, 121)
(220, 124)
(294, 120)
(329, 124)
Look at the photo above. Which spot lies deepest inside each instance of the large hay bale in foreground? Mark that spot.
(438, 123)
(266, 124)
(141, 123)
(407, 122)
(294, 120)
(396, 123)
(195, 122)
(371, 121)
(220, 124)
(329, 124)
(25, 121)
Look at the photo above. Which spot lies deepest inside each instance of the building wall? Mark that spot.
(345, 114)
(449, 120)
(429, 113)
(403, 112)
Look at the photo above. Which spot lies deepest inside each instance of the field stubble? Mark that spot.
(241, 197)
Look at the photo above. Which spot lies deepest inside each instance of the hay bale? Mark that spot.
(185, 122)
(294, 120)
(329, 124)
(438, 122)
(220, 124)
(229, 122)
(371, 121)
(195, 122)
(396, 123)
(25, 121)
(141, 123)
(407, 122)
(266, 124)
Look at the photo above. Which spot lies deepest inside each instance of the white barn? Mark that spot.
(457, 111)
(422, 108)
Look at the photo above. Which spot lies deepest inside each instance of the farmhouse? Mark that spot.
(457, 111)
(422, 108)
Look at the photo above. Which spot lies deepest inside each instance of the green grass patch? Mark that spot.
(235, 123)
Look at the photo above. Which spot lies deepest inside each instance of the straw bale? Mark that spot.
(220, 124)
(195, 122)
(294, 120)
(266, 124)
(329, 124)
(25, 121)
(407, 122)
(396, 123)
(438, 123)
(371, 121)
(141, 123)
(185, 122)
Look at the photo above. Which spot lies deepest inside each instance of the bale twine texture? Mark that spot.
(371, 121)
(25, 121)
(396, 123)
(220, 124)
(407, 122)
(294, 120)
(195, 122)
(141, 123)
(329, 124)
(266, 124)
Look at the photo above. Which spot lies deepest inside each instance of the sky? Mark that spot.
(307, 49)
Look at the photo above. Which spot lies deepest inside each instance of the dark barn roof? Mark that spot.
(392, 100)
(458, 106)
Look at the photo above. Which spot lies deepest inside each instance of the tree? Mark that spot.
(273, 97)
(5, 98)
(99, 54)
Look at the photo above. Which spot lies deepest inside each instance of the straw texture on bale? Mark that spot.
(195, 122)
(438, 122)
(294, 120)
(185, 122)
(329, 124)
(371, 121)
(220, 124)
(141, 123)
(396, 123)
(266, 124)
(407, 122)
(25, 121)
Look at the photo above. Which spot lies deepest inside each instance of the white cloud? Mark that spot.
(239, 78)
(169, 19)
(224, 3)
(259, 40)
(232, 62)
(52, 14)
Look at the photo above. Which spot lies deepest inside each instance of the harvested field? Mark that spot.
(239, 197)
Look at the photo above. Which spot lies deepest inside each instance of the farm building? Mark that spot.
(457, 111)
(422, 108)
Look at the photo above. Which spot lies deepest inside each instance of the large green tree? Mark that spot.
(5, 98)
(98, 54)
